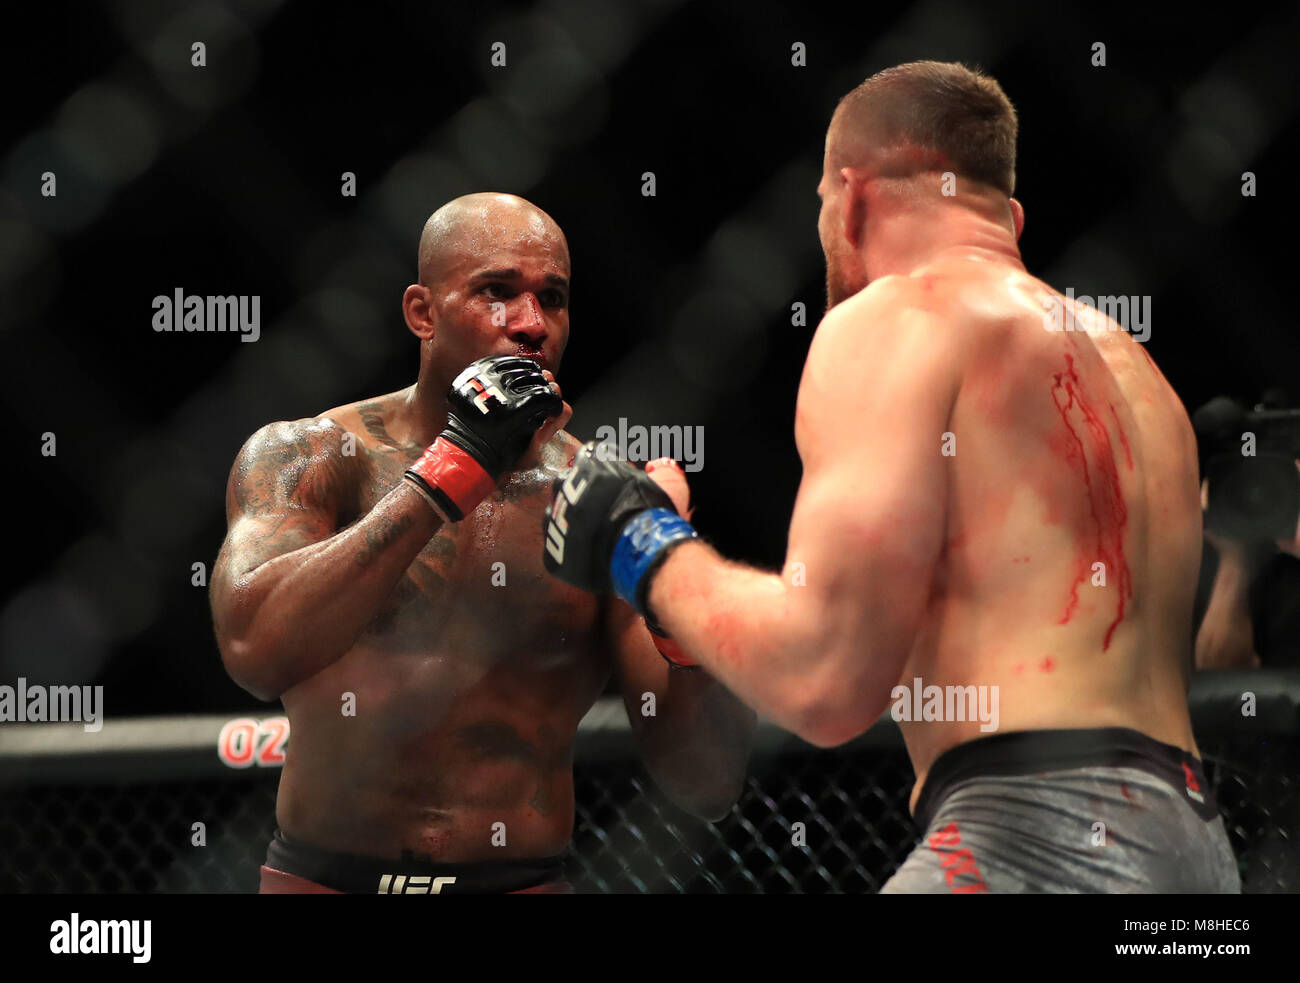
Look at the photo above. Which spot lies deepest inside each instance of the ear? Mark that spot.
(1017, 217)
(417, 309)
(854, 214)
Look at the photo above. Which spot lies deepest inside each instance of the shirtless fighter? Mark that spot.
(985, 502)
(381, 576)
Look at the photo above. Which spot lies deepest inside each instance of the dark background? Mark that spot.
(226, 180)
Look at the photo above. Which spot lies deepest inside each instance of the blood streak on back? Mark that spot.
(1088, 450)
(1119, 429)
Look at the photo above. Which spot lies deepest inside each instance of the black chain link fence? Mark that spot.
(627, 837)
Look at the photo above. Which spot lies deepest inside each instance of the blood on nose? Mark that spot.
(530, 321)
(534, 309)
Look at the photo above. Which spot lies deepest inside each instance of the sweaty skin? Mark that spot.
(468, 694)
(467, 665)
(1071, 450)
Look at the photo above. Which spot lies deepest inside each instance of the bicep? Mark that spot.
(870, 518)
(865, 544)
(285, 492)
(254, 539)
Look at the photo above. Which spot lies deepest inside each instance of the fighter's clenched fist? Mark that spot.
(494, 408)
(609, 526)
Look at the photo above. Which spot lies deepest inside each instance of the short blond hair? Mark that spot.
(944, 107)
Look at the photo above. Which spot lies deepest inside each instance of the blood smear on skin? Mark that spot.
(1105, 497)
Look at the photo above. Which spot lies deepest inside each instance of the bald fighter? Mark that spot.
(382, 577)
(999, 501)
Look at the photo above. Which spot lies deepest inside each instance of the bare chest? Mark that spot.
(479, 585)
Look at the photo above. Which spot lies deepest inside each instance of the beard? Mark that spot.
(836, 289)
(840, 284)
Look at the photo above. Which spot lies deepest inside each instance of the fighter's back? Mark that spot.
(1073, 537)
(989, 511)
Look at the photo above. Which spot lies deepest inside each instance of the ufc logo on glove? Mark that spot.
(558, 526)
(485, 390)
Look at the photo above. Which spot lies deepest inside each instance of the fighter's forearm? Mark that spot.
(698, 744)
(745, 627)
(794, 654)
(297, 613)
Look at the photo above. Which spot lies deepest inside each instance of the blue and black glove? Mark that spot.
(609, 527)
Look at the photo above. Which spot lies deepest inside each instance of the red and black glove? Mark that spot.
(494, 408)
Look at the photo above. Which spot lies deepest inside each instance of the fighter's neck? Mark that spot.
(905, 248)
(421, 414)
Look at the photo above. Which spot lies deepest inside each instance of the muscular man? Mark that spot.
(381, 576)
(999, 494)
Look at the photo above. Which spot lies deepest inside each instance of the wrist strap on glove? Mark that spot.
(450, 479)
(643, 545)
(672, 652)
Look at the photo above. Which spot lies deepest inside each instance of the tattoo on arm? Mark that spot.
(292, 482)
(383, 534)
(289, 466)
(443, 548)
(373, 418)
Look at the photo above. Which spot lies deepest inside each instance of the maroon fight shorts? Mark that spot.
(297, 868)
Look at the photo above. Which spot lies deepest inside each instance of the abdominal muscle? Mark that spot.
(447, 758)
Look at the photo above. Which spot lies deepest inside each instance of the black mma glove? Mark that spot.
(609, 527)
(494, 408)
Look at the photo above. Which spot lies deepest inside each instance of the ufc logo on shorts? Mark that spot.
(484, 391)
(401, 884)
(559, 525)
(957, 863)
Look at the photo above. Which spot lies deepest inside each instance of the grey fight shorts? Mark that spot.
(1103, 811)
